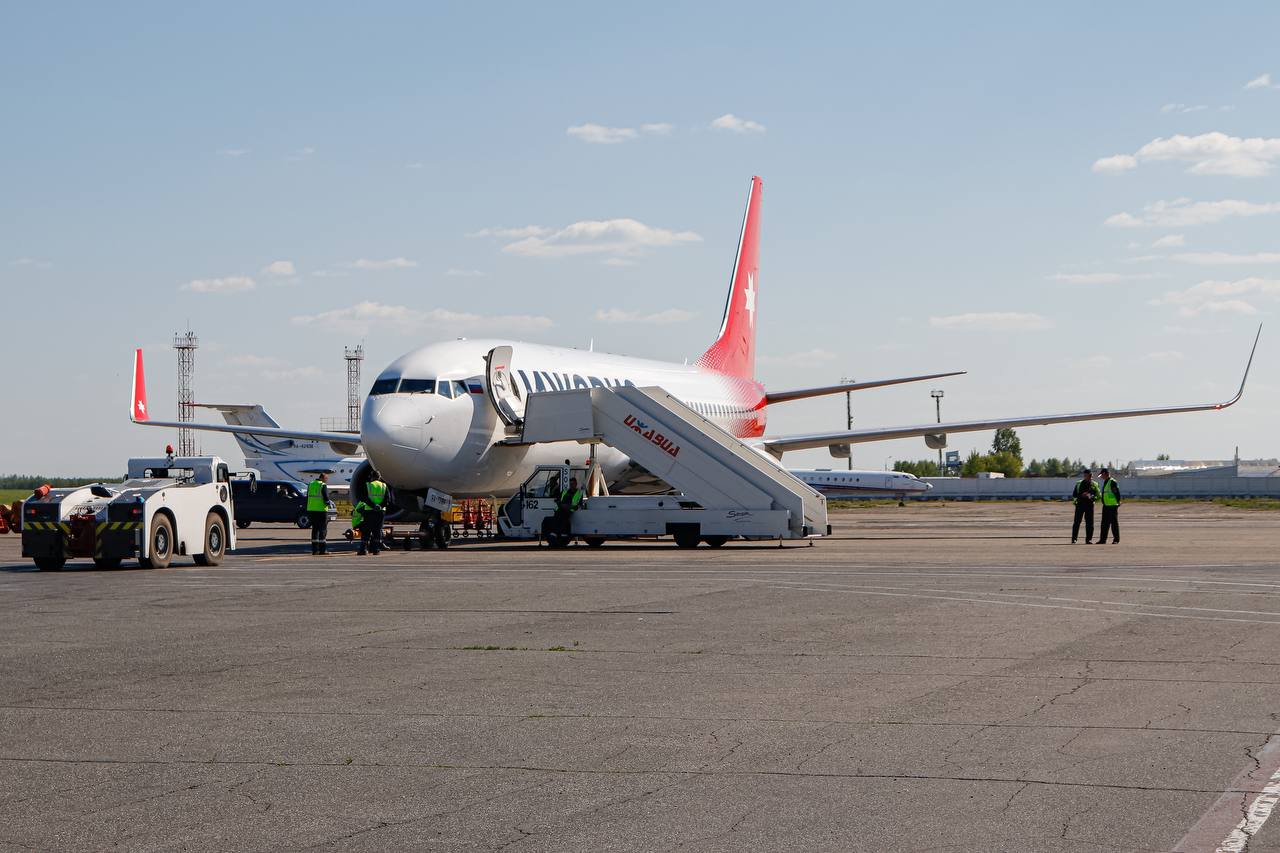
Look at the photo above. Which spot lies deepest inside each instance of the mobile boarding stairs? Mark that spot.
(725, 488)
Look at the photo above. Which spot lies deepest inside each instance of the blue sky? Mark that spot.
(933, 200)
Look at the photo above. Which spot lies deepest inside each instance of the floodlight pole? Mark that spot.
(848, 414)
(936, 394)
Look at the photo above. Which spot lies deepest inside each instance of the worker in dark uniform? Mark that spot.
(1084, 494)
(567, 504)
(318, 513)
(1110, 508)
(372, 511)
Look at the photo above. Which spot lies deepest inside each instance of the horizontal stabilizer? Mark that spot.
(772, 397)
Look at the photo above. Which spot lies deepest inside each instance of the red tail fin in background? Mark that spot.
(138, 411)
(734, 351)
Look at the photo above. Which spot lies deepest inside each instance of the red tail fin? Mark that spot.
(138, 411)
(734, 351)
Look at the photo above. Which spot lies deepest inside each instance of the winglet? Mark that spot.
(138, 407)
(1248, 364)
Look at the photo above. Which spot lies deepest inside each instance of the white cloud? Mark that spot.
(618, 237)
(302, 153)
(388, 264)
(1168, 356)
(1116, 164)
(1208, 153)
(274, 369)
(597, 134)
(233, 152)
(1090, 362)
(1221, 297)
(1169, 241)
(992, 321)
(1262, 81)
(1183, 212)
(657, 128)
(416, 166)
(230, 284)
(512, 233)
(364, 316)
(731, 122)
(1101, 277)
(280, 268)
(807, 358)
(1210, 259)
(462, 273)
(660, 318)
(1182, 108)
(30, 262)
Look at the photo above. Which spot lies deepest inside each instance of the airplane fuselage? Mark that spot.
(427, 421)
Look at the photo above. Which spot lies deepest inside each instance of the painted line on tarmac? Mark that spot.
(1071, 600)
(1028, 604)
(1234, 806)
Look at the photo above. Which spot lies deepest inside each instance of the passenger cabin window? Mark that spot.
(417, 386)
(386, 385)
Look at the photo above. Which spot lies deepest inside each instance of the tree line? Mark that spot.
(1005, 458)
(34, 481)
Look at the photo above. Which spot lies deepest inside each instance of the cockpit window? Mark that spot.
(386, 385)
(445, 388)
(459, 388)
(417, 386)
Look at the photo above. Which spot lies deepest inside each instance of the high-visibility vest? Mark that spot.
(1082, 488)
(1110, 496)
(574, 500)
(315, 497)
(377, 492)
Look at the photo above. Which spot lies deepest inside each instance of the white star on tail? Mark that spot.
(142, 408)
(749, 295)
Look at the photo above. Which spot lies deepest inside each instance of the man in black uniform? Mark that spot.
(318, 513)
(567, 503)
(1110, 508)
(1084, 494)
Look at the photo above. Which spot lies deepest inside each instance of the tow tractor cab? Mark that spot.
(165, 507)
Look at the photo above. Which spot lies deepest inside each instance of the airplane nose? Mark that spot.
(392, 432)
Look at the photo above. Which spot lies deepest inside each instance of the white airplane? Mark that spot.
(291, 459)
(284, 458)
(860, 484)
(436, 417)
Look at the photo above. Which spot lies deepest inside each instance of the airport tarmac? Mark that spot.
(935, 677)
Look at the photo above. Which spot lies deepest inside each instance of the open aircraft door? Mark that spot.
(500, 385)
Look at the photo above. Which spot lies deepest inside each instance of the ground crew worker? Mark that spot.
(372, 510)
(1110, 508)
(567, 503)
(1084, 494)
(318, 513)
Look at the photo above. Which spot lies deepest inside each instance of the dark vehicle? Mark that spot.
(272, 501)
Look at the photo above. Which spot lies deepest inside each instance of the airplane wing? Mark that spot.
(342, 442)
(780, 445)
(805, 393)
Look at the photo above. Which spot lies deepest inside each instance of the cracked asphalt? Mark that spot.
(936, 677)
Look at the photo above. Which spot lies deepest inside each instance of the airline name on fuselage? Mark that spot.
(545, 380)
